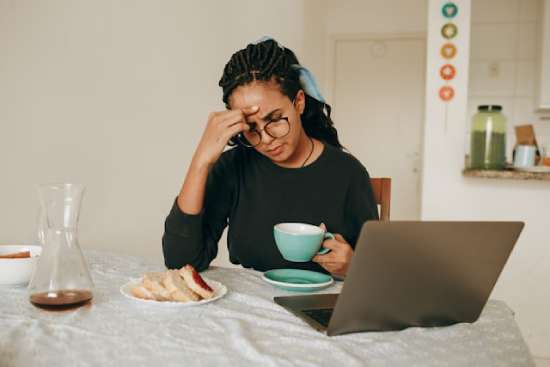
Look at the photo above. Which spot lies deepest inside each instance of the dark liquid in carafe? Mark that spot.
(61, 300)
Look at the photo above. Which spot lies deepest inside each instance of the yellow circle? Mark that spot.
(449, 30)
(448, 51)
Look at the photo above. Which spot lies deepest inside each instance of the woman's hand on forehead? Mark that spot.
(220, 127)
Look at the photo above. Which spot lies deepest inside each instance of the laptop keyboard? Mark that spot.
(322, 316)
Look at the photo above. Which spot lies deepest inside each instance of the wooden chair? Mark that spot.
(381, 187)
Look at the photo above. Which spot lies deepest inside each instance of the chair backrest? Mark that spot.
(381, 187)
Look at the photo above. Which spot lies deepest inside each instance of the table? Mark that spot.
(244, 328)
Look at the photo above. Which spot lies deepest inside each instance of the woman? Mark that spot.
(287, 166)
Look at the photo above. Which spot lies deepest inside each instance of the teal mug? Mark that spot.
(300, 242)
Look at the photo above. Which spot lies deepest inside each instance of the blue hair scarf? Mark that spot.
(307, 80)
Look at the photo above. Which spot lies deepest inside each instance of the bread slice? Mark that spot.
(16, 255)
(179, 291)
(153, 283)
(140, 291)
(149, 279)
(195, 282)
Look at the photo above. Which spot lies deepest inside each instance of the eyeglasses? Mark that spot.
(276, 128)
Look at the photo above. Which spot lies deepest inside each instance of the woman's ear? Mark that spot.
(300, 101)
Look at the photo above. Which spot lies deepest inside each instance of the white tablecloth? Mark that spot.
(244, 328)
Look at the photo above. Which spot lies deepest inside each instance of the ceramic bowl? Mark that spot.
(17, 271)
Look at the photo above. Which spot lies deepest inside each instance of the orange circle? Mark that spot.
(446, 93)
(448, 51)
(447, 72)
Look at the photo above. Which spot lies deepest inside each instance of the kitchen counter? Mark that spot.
(507, 174)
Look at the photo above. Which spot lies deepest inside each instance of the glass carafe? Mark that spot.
(61, 278)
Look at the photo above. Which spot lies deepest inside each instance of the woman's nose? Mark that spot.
(266, 138)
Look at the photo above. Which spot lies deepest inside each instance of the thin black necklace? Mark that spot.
(310, 152)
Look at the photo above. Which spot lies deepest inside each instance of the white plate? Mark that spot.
(541, 169)
(219, 291)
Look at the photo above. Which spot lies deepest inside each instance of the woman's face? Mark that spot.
(272, 106)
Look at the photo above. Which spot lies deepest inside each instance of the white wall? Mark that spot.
(115, 94)
(449, 195)
(327, 18)
(504, 63)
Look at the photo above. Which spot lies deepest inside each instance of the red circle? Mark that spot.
(447, 72)
(446, 93)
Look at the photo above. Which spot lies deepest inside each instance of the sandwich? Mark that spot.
(183, 285)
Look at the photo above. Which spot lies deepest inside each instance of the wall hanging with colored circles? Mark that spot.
(448, 51)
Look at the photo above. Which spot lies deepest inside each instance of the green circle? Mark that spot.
(449, 31)
(449, 10)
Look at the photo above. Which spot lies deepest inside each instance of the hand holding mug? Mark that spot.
(338, 260)
(300, 242)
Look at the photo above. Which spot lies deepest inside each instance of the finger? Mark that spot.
(231, 117)
(234, 130)
(334, 244)
(323, 227)
(339, 237)
(331, 267)
(239, 112)
(327, 258)
(250, 110)
(234, 122)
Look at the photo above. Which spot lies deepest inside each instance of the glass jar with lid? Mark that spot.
(488, 139)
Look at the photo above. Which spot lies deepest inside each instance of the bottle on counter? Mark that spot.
(545, 159)
(488, 139)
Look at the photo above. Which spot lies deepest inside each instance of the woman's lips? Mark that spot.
(276, 151)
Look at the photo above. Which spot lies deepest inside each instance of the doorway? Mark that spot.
(378, 86)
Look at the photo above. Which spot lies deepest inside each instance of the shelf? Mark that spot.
(507, 174)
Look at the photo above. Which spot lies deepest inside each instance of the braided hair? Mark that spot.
(267, 61)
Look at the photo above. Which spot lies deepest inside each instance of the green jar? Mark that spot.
(488, 139)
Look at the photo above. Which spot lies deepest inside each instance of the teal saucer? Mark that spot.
(297, 280)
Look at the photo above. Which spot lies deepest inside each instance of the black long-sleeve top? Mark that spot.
(251, 194)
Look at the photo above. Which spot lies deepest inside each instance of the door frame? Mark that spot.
(330, 59)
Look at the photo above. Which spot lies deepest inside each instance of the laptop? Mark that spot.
(408, 273)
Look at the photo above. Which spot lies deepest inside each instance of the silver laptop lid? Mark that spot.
(421, 274)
